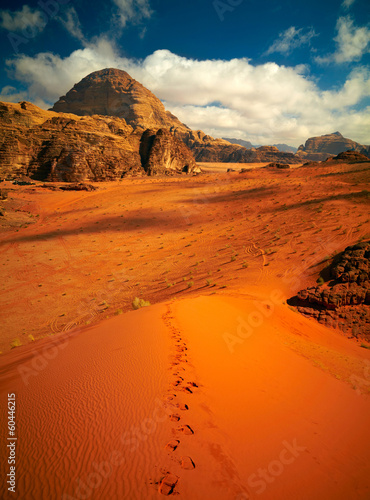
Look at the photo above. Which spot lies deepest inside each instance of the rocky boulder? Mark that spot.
(344, 300)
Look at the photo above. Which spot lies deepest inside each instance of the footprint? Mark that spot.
(175, 417)
(168, 483)
(187, 463)
(182, 406)
(186, 429)
(192, 384)
(172, 445)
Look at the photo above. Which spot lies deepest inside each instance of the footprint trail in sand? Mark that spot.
(181, 384)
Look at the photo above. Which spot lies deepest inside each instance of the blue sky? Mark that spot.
(266, 72)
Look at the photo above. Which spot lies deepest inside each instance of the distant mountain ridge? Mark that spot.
(284, 148)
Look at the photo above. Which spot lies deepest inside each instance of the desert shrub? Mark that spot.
(190, 284)
(320, 281)
(15, 343)
(137, 303)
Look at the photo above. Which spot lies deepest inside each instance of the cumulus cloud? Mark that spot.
(134, 11)
(291, 39)
(352, 43)
(265, 103)
(24, 20)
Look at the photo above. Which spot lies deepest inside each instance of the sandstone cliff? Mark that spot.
(46, 145)
(323, 147)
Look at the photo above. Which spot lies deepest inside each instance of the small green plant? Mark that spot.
(208, 282)
(320, 281)
(190, 284)
(245, 265)
(119, 311)
(137, 303)
(365, 346)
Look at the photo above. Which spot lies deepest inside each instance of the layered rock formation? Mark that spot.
(325, 146)
(162, 153)
(46, 145)
(344, 301)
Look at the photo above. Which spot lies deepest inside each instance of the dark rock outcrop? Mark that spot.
(162, 153)
(344, 301)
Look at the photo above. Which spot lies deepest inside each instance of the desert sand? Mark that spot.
(218, 390)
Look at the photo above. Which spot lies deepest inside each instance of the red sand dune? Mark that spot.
(271, 412)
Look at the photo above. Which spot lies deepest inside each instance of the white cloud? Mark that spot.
(134, 11)
(27, 20)
(291, 39)
(265, 104)
(346, 4)
(71, 23)
(352, 43)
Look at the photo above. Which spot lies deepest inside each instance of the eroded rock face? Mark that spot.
(59, 147)
(162, 153)
(113, 92)
(325, 146)
(44, 145)
(343, 302)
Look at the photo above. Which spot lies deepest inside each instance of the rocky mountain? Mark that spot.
(323, 147)
(113, 92)
(64, 147)
(342, 300)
